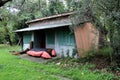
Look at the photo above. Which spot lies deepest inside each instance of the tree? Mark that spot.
(6, 26)
(14, 20)
(73, 5)
(105, 15)
(2, 2)
(56, 7)
(28, 10)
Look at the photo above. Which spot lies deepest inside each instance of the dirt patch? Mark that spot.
(35, 59)
(100, 62)
(104, 62)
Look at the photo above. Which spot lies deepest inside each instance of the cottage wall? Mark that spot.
(60, 39)
(64, 41)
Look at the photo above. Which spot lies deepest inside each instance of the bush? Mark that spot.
(106, 51)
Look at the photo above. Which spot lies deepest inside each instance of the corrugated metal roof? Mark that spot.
(50, 17)
(43, 27)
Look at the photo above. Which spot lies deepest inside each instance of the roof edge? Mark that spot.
(50, 17)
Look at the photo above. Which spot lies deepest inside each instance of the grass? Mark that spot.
(14, 68)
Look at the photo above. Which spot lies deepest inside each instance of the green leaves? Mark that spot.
(105, 15)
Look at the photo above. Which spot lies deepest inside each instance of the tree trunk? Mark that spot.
(7, 36)
(8, 39)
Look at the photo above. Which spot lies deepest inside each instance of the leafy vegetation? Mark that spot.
(2, 2)
(15, 68)
(104, 14)
(14, 15)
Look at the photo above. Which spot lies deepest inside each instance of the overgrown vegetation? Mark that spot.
(105, 15)
(15, 68)
(14, 14)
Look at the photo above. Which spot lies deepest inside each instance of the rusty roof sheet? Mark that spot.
(50, 17)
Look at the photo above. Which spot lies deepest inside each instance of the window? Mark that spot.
(50, 37)
(66, 38)
(27, 38)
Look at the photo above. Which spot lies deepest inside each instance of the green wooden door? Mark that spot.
(26, 40)
(50, 37)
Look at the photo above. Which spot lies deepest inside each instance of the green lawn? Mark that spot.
(14, 68)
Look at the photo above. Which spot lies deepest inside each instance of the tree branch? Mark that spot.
(2, 2)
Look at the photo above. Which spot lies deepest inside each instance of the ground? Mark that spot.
(24, 67)
(35, 59)
(100, 62)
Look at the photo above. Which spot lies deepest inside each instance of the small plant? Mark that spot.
(105, 51)
(90, 54)
(62, 53)
(74, 52)
(68, 53)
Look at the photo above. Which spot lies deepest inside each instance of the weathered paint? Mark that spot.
(26, 40)
(58, 21)
(51, 17)
(86, 38)
(50, 38)
(50, 34)
(62, 48)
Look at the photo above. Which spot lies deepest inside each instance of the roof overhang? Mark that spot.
(54, 21)
(43, 27)
(50, 17)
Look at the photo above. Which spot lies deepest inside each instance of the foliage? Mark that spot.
(74, 52)
(15, 14)
(106, 51)
(105, 15)
(107, 12)
(2, 2)
(6, 26)
(73, 5)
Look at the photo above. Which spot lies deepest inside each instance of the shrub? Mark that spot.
(106, 51)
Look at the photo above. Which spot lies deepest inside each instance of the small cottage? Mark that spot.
(54, 32)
